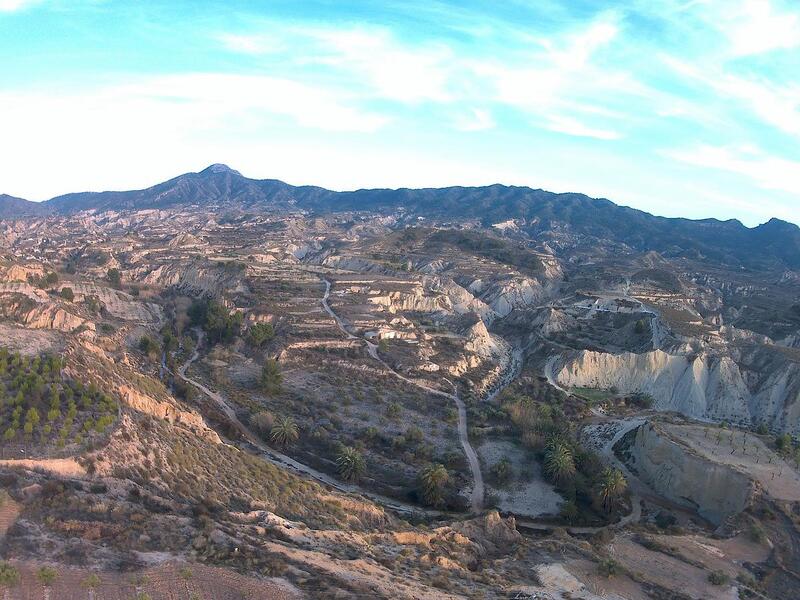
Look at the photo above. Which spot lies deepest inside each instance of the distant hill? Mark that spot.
(776, 243)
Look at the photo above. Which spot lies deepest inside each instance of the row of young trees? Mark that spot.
(47, 576)
(35, 398)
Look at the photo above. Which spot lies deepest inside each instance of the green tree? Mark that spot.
(67, 294)
(114, 277)
(149, 346)
(350, 464)
(432, 481)
(611, 487)
(271, 377)
(260, 334)
(783, 444)
(46, 576)
(501, 470)
(9, 578)
(284, 432)
(569, 512)
(91, 583)
(218, 322)
(559, 463)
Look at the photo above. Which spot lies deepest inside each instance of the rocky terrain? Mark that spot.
(484, 393)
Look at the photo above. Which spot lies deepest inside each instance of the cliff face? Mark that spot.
(716, 491)
(748, 386)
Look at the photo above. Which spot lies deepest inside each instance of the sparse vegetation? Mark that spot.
(718, 578)
(608, 567)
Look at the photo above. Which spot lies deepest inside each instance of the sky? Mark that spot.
(678, 107)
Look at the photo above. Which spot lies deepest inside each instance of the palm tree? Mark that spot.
(91, 583)
(559, 462)
(46, 576)
(284, 432)
(611, 487)
(9, 577)
(350, 463)
(432, 481)
(271, 377)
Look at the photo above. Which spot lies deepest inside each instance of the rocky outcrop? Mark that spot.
(715, 490)
(517, 292)
(492, 533)
(199, 276)
(167, 411)
(17, 272)
(752, 385)
(54, 317)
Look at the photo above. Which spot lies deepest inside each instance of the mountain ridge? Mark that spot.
(775, 242)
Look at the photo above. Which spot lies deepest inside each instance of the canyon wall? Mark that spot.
(757, 386)
(716, 491)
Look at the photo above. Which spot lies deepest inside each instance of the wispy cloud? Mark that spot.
(574, 127)
(757, 26)
(14, 5)
(531, 82)
(768, 172)
(476, 119)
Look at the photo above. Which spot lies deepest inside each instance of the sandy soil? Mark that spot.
(64, 467)
(605, 587)
(30, 341)
(9, 512)
(528, 494)
(750, 455)
(726, 555)
(666, 570)
(160, 582)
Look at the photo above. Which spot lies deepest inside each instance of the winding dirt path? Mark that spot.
(287, 462)
(477, 493)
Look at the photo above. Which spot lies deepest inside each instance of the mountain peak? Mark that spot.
(219, 168)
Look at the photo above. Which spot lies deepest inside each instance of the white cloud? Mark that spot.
(172, 117)
(372, 56)
(476, 119)
(13, 5)
(775, 104)
(768, 172)
(756, 26)
(580, 47)
(251, 44)
(574, 127)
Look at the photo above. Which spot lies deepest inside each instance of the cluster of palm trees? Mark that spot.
(559, 465)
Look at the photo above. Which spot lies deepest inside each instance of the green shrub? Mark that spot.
(718, 578)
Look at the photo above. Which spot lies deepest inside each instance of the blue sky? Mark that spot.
(678, 107)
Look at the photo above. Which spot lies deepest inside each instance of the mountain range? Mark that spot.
(775, 244)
